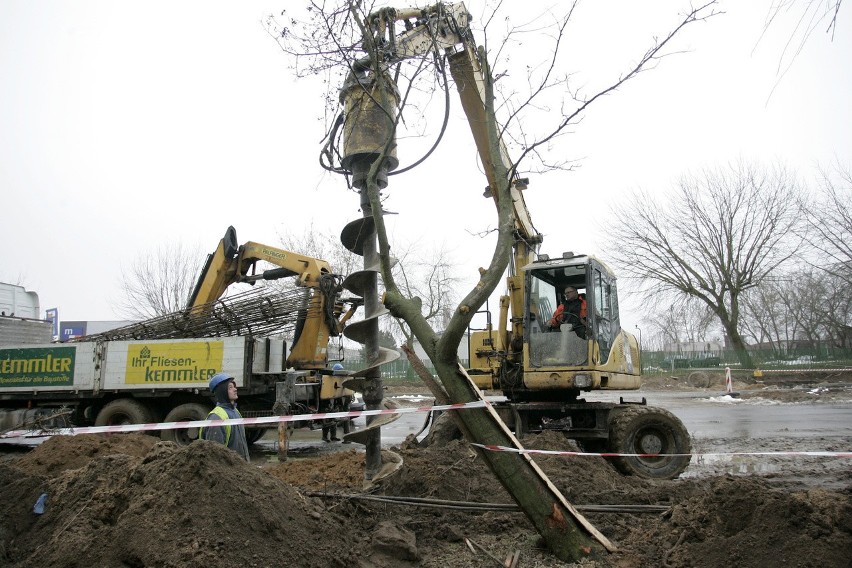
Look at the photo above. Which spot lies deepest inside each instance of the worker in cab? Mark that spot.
(571, 311)
(224, 389)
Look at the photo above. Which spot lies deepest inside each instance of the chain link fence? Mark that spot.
(814, 358)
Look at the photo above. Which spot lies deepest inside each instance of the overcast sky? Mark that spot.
(124, 126)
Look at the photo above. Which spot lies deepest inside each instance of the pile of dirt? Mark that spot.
(134, 503)
(57, 455)
(343, 472)
(199, 505)
(742, 522)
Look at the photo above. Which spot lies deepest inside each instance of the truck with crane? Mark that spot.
(541, 369)
(157, 370)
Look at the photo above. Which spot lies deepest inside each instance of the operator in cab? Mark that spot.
(224, 389)
(571, 311)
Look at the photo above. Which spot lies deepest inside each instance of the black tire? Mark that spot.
(184, 413)
(644, 430)
(699, 379)
(123, 411)
(253, 435)
(593, 446)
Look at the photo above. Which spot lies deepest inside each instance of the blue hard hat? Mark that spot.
(337, 367)
(218, 379)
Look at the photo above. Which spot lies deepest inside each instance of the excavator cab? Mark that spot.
(555, 343)
(589, 343)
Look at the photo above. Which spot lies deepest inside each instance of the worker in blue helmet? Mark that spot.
(224, 389)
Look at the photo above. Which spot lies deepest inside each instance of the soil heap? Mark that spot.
(132, 501)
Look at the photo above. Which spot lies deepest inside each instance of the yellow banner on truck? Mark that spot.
(153, 363)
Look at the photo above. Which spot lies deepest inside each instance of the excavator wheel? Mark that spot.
(646, 430)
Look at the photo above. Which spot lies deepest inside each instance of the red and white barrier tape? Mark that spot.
(492, 448)
(794, 370)
(231, 421)
(21, 434)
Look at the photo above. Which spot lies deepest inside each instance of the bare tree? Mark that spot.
(341, 39)
(804, 307)
(432, 277)
(807, 17)
(321, 243)
(686, 320)
(767, 316)
(719, 234)
(159, 282)
(830, 223)
(837, 308)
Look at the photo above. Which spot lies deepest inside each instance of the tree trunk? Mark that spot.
(738, 345)
(567, 533)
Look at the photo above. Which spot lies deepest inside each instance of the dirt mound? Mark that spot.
(61, 453)
(738, 521)
(342, 472)
(134, 504)
(195, 506)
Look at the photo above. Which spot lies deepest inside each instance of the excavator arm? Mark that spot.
(446, 27)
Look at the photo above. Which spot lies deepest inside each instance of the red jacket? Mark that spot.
(560, 312)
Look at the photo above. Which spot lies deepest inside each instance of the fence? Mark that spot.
(816, 357)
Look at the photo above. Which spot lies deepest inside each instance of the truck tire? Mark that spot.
(184, 413)
(253, 435)
(123, 411)
(644, 430)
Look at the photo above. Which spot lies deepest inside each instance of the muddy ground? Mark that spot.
(132, 501)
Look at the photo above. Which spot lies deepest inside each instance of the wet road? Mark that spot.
(710, 415)
(715, 415)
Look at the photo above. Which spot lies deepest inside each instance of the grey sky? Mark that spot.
(126, 126)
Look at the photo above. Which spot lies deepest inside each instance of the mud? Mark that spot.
(132, 501)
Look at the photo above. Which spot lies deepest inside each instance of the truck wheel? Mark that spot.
(254, 435)
(123, 411)
(644, 430)
(184, 413)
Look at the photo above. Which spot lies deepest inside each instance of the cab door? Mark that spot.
(603, 308)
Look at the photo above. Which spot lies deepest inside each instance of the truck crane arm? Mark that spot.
(231, 263)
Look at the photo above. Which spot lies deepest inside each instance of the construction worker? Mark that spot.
(329, 427)
(571, 311)
(224, 389)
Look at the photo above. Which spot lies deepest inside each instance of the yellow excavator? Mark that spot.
(542, 367)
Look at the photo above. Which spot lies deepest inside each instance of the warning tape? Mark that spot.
(24, 434)
(232, 421)
(792, 370)
(493, 448)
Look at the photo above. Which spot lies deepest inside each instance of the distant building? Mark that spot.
(72, 329)
(15, 301)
